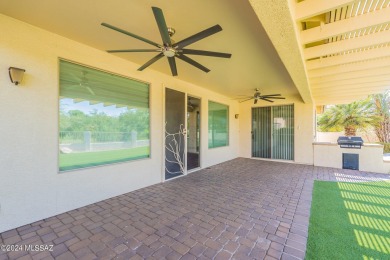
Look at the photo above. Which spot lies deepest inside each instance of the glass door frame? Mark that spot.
(186, 95)
(271, 114)
(200, 133)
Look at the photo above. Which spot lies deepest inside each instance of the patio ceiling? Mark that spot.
(254, 62)
(326, 52)
(343, 45)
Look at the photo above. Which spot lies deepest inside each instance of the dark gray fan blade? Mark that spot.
(206, 53)
(162, 26)
(273, 97)
(255, 101)
(131, 34)
(246, 100)
(135, 50)
(172, 64)
(193, 63)
(199, 36)
(150, 62)
(266, 99)
(243, 96)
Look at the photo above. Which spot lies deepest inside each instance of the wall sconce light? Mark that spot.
(236, 116)
(16, 75)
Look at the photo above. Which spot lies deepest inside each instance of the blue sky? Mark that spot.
(67, 104)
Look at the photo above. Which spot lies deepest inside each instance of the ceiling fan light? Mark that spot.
(169, 51)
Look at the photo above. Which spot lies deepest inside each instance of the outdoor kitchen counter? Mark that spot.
(370, 156)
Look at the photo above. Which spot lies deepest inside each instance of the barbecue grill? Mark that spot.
(350, 142)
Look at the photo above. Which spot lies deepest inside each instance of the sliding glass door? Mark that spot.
(273, 132)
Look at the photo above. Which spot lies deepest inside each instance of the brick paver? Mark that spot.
(240, 209)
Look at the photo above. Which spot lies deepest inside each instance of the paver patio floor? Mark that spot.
(240, 209)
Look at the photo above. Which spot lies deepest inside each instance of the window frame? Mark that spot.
(58, 117)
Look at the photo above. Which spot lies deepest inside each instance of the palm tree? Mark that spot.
(351, 117)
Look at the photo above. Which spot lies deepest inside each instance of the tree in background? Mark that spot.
(350, 117)
(382, 111)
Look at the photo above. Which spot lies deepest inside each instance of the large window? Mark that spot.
(218, 125)
(104, 118)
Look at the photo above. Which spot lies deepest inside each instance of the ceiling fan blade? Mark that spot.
(135, 50)
(192, 62)
(162, 26)
(242, 97)
(271, 95)
(246, 100)
(206, 53)
(274, 97)
(150, 62)
(130, 34)
(199, 36)
(172, 64)
(255, 101)
(266, 99)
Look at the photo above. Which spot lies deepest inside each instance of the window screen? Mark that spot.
(103, 118)
(218, 125)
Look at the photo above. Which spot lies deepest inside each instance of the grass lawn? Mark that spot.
(72, 161)
(349, 221)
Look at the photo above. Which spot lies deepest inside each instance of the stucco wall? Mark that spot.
(31, 187)
(303, 132)
(370, 157)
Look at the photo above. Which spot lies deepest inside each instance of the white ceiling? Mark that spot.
(254, 62)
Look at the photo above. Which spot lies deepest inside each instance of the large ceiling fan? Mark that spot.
(169, 48)
(257, 96)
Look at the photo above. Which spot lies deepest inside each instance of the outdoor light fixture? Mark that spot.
(236, 116)
(16, 75)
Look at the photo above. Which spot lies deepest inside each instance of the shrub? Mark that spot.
(386, 147)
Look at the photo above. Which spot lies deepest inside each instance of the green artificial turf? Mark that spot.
(73, 161)
(349, 221)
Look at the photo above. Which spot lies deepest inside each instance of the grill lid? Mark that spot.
(350, 140)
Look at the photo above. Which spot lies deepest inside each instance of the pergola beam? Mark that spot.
(309, 8)
(354, 82)
(344, 26)
(331, 96)
(351, 67)
(342, 99)
(348, 58)
(352, 89)
(346, 45)
(377, 72)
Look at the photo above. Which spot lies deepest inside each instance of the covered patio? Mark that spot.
(239, 209)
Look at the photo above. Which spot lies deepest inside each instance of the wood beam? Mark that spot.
(371, 87)
(351, 88)
(351, 67)
(354, 82)
(346, 45)
(348, 58)
(331, 97)
(377, 72)
(309, 8)
(344, 26)
(325, 100)
(347, 98)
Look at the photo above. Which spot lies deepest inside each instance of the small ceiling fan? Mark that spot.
(169, 48)
(257, 96)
